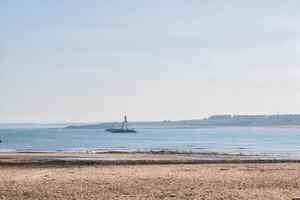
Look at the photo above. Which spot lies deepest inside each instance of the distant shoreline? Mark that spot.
(212, 121)
(149, 127)
(100, 126)
(196, 127)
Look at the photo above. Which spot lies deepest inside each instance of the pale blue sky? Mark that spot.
(80, 61)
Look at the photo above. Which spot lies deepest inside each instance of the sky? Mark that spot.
(96, 60)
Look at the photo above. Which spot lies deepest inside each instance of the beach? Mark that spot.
(35, 176)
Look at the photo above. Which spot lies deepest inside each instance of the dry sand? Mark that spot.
(206, 181)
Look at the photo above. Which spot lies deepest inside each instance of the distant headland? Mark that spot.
(214, 120)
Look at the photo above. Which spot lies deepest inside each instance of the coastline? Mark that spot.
(134, 158)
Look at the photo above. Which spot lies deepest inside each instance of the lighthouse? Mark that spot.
(124, 124)
(124, 128)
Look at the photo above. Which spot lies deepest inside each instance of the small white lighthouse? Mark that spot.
(124, 124)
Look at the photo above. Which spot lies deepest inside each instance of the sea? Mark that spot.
(272, 141)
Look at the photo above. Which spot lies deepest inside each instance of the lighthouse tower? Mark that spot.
(124, 124)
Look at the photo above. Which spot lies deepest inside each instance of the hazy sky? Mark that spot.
(79, 61)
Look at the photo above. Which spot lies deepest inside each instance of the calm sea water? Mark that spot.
(269, 141)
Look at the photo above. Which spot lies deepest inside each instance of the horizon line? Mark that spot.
(191, 119)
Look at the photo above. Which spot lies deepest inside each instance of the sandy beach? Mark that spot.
(144, 181)
(213, 181)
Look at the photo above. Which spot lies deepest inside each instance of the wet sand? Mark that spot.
(68, 180)
(63, 158)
